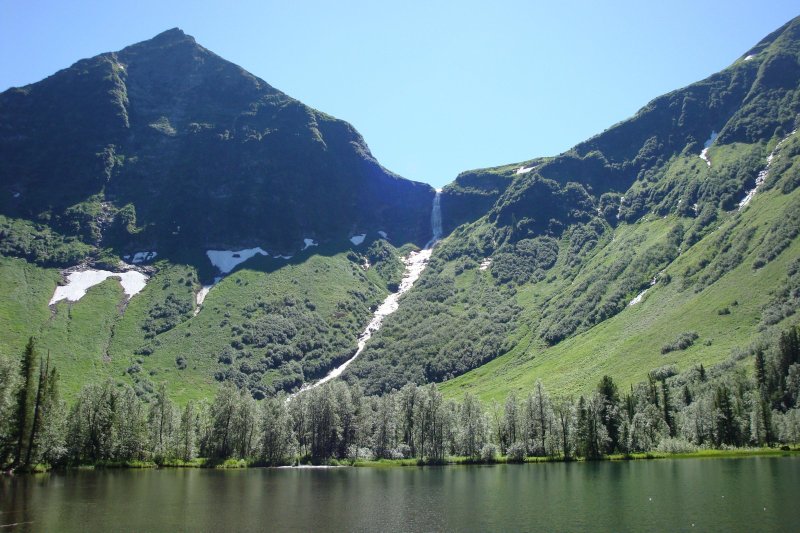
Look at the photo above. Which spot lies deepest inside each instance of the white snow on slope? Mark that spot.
(762, 175)
(415, 263)
(748, 58)
(524, 170)
(309, 242)
(141, 257)
(78, 283)
(383, 234)
(358, 239)
(227, 260)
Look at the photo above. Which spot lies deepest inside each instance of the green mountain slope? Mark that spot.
(165, 146)
(166, 150)
(671, 239)
(570, 241)
(268, 326)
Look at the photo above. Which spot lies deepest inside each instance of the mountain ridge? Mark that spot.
(559, 268)
(167, 118)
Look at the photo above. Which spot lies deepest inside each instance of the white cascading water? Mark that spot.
(436, 220)
(415, 263)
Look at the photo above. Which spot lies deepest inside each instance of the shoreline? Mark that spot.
(234, 464)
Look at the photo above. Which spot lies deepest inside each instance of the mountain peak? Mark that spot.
(172, 35)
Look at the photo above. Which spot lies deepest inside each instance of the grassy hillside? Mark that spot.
(270, 325)
(725, 315)
(571, 240)
(535, 281)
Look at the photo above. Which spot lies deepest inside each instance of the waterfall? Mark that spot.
(415, 263)
(436, 220)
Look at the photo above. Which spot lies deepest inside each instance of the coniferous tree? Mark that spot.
(609, 412)
(26, 400)
(8, 401)
(52, 448)
(727, 429)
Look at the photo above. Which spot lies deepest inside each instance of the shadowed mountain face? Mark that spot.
(166, 145)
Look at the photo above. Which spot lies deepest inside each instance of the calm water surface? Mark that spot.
(664, 495)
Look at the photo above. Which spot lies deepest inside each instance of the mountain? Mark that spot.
(259, 237)
(163, 167)
(165, 146)
(678, 223)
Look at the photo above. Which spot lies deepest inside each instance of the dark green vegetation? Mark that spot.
(626, 253)
(165, 146)
(627, 256)
(266, 328)
(670, 413)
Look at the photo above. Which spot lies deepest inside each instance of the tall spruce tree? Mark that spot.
(26, 402)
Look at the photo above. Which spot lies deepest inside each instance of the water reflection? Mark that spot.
(665, 495)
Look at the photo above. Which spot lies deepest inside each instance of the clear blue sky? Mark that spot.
(435, 87)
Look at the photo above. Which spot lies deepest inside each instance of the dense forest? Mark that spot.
(728, 405)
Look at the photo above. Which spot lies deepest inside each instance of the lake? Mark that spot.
(742, 494)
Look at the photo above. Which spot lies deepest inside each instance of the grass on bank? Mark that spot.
(227, 464)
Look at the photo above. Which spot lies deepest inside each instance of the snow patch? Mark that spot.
(142, 257)
(78, 283)
(383, 234)
(762, 175)
(748, 58)
(287, 257)
(309, 242)
(524, 170)
(227, 260)
(358, 239)
(485, 264)
(16, 195)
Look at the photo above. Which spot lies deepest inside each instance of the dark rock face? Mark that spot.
(165, 143)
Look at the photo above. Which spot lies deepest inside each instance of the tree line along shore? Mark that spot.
(729, 409)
